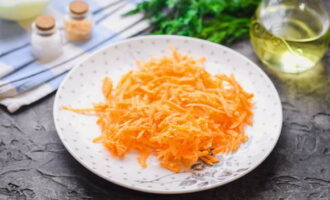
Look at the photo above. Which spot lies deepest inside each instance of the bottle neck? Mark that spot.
(78, 16)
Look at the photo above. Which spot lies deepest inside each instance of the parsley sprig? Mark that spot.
(220, 21)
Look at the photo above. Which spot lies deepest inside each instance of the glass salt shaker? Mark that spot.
(78, 22)
(46, 41)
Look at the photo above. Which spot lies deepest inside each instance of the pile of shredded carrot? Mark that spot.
(173, 108)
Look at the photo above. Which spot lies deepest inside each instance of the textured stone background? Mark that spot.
(35, 165)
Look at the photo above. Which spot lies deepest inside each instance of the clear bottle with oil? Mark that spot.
(290, 35)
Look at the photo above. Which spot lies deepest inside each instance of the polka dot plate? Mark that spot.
(82, 86)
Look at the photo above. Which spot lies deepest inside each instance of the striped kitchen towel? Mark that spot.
(24, 80)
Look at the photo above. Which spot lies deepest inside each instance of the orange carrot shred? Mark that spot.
(173, 108)
(169, 167)
(206, 160)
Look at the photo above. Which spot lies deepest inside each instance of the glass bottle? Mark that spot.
(78, 22)
(46, 41)
(290, 35)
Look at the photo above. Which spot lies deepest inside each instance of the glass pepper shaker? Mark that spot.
(46, 41)
(78, 22)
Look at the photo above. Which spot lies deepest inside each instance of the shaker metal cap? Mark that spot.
(45, 23)
(78, 7)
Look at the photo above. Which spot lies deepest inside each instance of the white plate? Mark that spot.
(82, 86)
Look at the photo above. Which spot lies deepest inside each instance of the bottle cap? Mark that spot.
(45, 23)
(78, 7)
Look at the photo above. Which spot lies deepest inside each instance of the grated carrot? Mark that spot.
(173, 108)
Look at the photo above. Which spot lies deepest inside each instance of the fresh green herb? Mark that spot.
(214, 20)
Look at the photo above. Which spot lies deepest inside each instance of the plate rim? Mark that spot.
(157, 191)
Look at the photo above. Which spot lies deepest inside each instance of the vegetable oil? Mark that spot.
(289, 38)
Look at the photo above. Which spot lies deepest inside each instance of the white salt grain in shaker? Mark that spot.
(46, 40)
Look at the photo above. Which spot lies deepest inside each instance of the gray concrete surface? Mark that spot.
(35, 165)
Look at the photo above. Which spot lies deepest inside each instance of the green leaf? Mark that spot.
(171, 3)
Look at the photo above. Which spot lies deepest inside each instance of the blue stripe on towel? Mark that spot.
(55, 83)
(18, 59)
